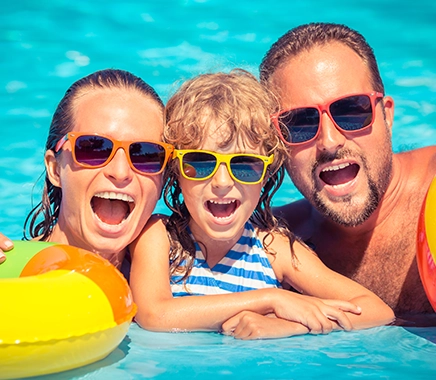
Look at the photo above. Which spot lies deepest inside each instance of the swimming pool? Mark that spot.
(46, 46)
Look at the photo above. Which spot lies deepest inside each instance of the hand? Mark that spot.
(318, 315)
(5, 245)
(249, 325)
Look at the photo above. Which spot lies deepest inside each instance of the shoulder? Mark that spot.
(153, 235)
(156, 221)
(422, 157)
(418, 165)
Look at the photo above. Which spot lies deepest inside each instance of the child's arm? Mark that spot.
(248, 325)
(311, 277)
(158, 310)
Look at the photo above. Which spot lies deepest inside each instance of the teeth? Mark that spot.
(336, 167)
(114, 196)
(223, 203)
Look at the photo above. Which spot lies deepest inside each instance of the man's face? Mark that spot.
(343, 175)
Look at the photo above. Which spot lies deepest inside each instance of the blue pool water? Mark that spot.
(47, 45)
(379, 353)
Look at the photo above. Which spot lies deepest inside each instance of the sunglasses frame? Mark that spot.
(125, 145)
(223, 158)
(373, 97)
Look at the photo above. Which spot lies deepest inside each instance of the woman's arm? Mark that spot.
(158, 310)
(311, 277)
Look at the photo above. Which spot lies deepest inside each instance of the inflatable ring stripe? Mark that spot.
(61, 307)
(426, 253)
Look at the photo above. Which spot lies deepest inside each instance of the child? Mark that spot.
(222, 261)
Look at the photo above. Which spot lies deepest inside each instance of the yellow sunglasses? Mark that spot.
(199, 165)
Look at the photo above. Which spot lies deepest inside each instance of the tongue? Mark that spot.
(221, 210)
(110, 211)
(338, 177)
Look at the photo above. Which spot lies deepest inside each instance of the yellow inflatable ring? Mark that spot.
(61, 307)
(426, 253)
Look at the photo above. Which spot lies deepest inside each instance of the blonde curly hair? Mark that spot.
(241, 107)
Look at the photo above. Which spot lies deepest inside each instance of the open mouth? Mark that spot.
(223, 209)
(339, 174)
(112, 208)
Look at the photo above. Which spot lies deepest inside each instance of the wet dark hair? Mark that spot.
(305, 37)
(62, 123)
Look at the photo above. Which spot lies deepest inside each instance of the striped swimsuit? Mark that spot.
(245, 267)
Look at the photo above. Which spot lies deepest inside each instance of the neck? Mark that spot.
(59, 235)
(214, 248)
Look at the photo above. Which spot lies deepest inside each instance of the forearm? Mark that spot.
(374, 313)
(202, 313)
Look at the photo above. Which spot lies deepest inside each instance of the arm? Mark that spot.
(310, 276)
(158, 310)
(5, 245)
(248, 325)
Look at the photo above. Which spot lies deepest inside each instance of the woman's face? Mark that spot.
(104, 209)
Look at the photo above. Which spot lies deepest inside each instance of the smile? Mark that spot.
(222, 209)
(112, 208)
(340, 174)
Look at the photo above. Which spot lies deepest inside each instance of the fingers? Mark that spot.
(340, 318)
(326, 319)
(248, 327)
(228, 327)
(5, 245)
(344, 306)
(319, 324)
(245, 325)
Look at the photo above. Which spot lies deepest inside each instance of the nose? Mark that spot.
(118, 169)
(330, 138)
(222, 178)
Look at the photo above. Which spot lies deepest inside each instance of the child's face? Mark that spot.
(220, 206)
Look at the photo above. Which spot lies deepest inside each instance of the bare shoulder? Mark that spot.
(157, 221)
(298, 216)
(421, 160)
(153, 235)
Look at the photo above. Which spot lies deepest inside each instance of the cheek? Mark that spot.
(252, 193)
(151, 189)
(74, 181)
(299, 165)
(192, 191)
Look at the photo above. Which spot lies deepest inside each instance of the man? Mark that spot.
(362, 202)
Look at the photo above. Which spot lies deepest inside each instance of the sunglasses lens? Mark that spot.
(198, 164)
(147, 157)
(92, 150)
(352, 113)
(247, 169)
(301, 124)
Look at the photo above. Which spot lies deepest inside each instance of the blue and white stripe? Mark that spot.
(245, 267)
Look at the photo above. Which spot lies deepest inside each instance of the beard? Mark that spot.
(348, 211)
(351, 214)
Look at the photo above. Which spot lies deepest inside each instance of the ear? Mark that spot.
(52, 168)
(388, 104)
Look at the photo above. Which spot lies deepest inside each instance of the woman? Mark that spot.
(104, 161)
